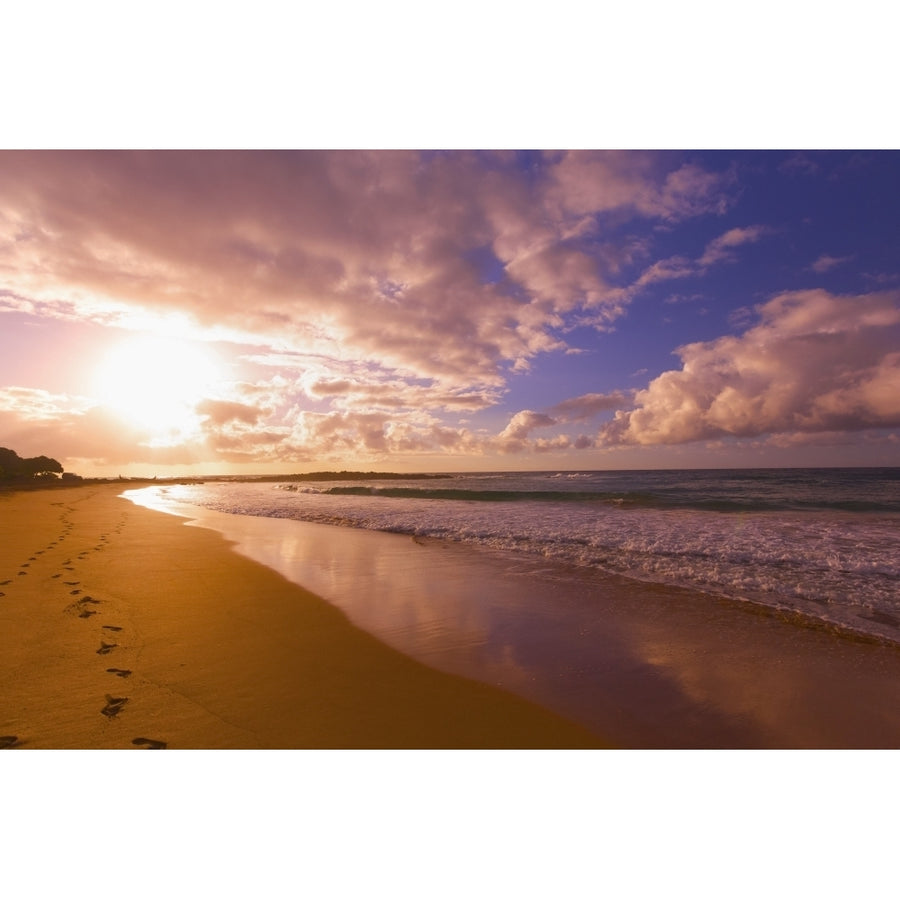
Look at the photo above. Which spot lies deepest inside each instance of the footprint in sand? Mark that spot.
(2, 594)
(8, 740)
(122, 673)
(57, 575)
(106, 648)
(149, 743)
(113, 627)
(75, 593)
(8, 581)
(23, 573)
(71, 583)
(80, 606)
(113, 706)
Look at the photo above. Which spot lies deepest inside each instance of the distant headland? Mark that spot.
(44, 471)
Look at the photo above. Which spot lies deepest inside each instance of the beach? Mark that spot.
(121, 628)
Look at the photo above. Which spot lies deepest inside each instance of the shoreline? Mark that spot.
(644, 664)
(126, 630)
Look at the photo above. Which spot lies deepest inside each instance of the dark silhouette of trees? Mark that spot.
(14, 468)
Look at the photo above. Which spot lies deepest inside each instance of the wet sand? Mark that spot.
(121, 628)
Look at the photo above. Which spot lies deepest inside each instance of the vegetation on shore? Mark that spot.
(14, 468)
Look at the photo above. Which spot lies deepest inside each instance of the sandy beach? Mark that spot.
(121, 628)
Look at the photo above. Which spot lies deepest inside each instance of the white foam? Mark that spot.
(839, 566)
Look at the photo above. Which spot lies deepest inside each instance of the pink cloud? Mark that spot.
(816, 362)
(722, 248)
(718, 251)
(312, 250)
(220, 412)
(579, 409)
(522, 423)
(826, 263)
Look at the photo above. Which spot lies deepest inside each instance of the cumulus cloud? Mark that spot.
(522, 423)
(516, 437)
(815, 362)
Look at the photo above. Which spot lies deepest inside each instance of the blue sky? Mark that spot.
(206, 311)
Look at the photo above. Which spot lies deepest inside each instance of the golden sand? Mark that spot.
(121, 628)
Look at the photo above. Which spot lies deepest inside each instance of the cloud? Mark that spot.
(718, 251)
(516, 436)
(358, 277)
(268, 426)
(348, 434)
(799, 164)
(816, 362)
(722, 248)
(221, 412)
(368, 390)
(522, 423)
(826, 263)
(68, 428)
(666, 270)
(343, 254)
(579, 409)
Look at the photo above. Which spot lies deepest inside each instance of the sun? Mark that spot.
(155, 383)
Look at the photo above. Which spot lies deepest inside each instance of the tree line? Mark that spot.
(16, 468)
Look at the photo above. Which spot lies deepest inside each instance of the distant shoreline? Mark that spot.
(356, 475)
(42, 484)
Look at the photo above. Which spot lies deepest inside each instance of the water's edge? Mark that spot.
(621, 657)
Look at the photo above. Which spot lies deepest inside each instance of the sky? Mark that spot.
(237, 312)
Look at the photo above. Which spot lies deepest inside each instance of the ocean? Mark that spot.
(820, 543)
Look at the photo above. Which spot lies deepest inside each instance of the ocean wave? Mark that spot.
(620, 499)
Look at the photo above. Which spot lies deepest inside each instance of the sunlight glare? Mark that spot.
(154, 383)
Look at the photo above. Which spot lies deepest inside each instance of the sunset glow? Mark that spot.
(155, 384)
(232, 312)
